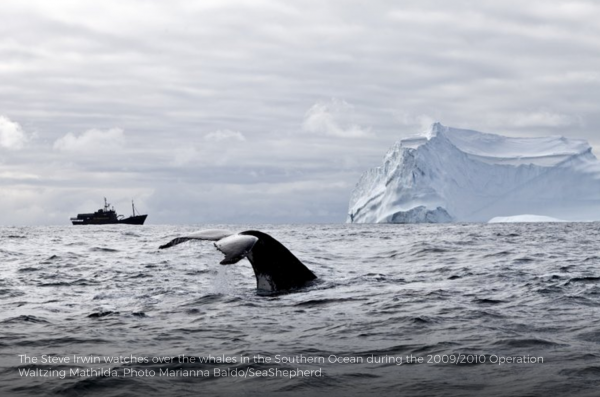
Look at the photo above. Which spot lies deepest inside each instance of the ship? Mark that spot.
(108, 216)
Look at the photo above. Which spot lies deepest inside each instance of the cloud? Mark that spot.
(92, 141)
(185, 155)
(195, 154)
(12, 136)
(333, 118)
(543, 119)
(224, 135)
(422, 123)
(17, 175)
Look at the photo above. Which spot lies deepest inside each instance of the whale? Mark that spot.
(275, 267)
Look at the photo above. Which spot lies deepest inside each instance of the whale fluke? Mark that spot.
(235, 247)
(275, 267)
(208, 234)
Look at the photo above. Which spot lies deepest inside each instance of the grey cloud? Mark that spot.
(224, 135)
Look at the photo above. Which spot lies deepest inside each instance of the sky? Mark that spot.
(262, 111)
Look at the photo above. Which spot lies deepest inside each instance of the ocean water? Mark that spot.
(419, 310)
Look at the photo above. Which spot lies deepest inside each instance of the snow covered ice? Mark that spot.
(469, 176)
(524, 219)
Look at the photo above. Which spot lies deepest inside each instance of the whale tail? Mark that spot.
(275, 267)
(209, 234)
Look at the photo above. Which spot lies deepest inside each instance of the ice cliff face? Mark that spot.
(469, 176)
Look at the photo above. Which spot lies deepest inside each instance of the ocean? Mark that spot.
(411, 310)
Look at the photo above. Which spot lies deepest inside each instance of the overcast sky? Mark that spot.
(267, 111)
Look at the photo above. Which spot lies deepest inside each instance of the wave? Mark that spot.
(25, 319)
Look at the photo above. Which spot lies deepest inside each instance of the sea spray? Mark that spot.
(223, 281)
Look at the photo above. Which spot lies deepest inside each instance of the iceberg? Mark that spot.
(459, 175)
(527, 218)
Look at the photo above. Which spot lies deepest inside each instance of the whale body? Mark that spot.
(275, 267)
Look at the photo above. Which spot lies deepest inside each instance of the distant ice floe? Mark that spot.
(524, 219)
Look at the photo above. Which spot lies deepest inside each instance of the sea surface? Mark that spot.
(410, 310)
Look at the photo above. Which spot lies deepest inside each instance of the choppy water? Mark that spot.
(488, 292)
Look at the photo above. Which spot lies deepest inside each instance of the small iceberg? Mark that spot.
(524, 219)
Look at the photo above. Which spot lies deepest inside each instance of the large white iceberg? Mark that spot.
(469, 176)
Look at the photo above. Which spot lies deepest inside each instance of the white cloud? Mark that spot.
(92, 141)
(12, 136)
(421, 122)
(224, 135)
(333, 118)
